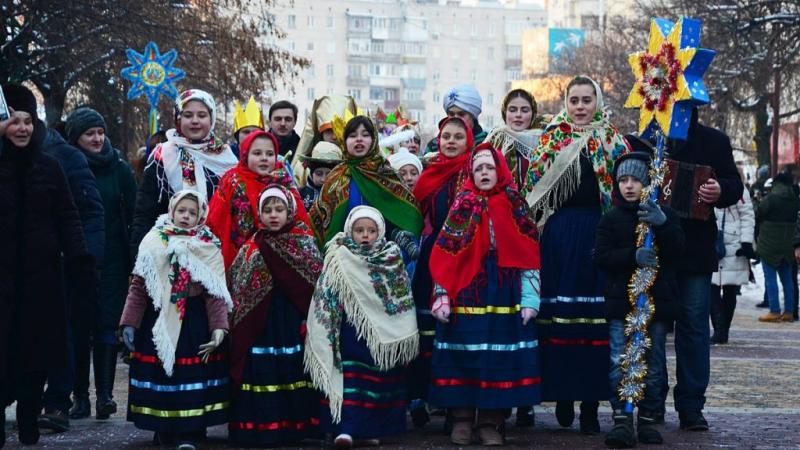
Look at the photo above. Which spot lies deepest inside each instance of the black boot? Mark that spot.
(81, 407)
(105, 366)
(646, 429)
(588, 420)
(729, 294)
(565, 413)
(525, 417)
(622, 435)
(27, 414)
(716, 314)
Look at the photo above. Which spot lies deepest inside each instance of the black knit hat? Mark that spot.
(81, 120)
(20, 98)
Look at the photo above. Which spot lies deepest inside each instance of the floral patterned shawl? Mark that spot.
(370, 286)
(377, 182)
(233, 214)
(555, 170)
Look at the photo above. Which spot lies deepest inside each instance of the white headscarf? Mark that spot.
(368, 212)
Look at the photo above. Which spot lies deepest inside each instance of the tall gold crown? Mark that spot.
(250, 117)
(340, 123)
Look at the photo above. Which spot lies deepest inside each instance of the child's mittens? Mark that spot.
(441, 309)
(303, 329)
(217, 336)
(528, 314)
(127, 336)
(651, 213)
(405, 240)
(646, 257)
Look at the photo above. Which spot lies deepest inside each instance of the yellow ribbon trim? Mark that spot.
(477, 310)
(276, 387)
(427, 333)
(179, 412)
(581, 320)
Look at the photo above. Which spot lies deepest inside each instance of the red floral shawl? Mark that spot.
(440, 169)
(464, 240)
(233, 213)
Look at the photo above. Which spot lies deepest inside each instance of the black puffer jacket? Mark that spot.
(711, 147)
(615, 253)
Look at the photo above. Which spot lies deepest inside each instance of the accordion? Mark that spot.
(681, 186)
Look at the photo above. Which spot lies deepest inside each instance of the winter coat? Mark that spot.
(615, 254)
(776, 216)
(737, 224)
(711, 147)
(309, 194)
(84, 190)
(118, 190)
(42, 235)
(287, 143)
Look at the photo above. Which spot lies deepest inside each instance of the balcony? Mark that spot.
(414, 83)
(513, 62)
(357, 81)
(413, 104)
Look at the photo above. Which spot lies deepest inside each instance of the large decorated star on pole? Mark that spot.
(669, 77)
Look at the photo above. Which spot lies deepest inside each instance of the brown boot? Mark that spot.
(491, 427)
(463, 419)
(770, 317)
(787, 317)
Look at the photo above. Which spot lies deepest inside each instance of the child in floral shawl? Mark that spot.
(273, 278)
(362, 330)
(175, 317)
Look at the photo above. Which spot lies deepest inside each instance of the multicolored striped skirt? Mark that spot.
(484, 357)
(374, 403)
(276, 403)
(572, 326)
(195, 396)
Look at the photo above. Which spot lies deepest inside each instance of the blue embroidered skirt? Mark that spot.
(195, 396)
(276, 403)
(484, 357)
(572, 326)
(374, 402)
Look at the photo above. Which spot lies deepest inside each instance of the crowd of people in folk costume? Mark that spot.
(330, 285)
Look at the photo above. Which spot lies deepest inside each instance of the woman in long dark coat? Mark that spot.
(39, 223)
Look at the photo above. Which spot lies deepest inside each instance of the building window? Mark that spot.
(473, 53)
(473, 30)
(437, 76)
(590, 22)
(513, 52)
(310, 46)
(310, 94)
(473, 75)
(331, 48)
(291, 21)
(329, 22)
(456, 53)
(290, 46)
(436, 97)
(355, 93)
(490, 53)
(310, 21)
(375, 93)
(455, 28)
(375, 70)
(329, 70)
(377, 47)
(311, 71)
(455, 73)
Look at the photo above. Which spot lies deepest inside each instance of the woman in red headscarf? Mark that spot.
(485, 351)
(436, 189)
(233, 214)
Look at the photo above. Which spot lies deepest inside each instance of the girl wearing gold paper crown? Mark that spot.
(245, 121)
(569, 189)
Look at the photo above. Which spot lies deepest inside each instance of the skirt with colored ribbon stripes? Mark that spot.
(572, 326)
(276, 403)
(484, 357)
(195, 396)
(374, 403)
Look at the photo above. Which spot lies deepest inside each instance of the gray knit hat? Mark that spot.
(634, 166)
(81, 120)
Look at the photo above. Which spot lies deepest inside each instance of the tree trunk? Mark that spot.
(763, 133)
(54, 105)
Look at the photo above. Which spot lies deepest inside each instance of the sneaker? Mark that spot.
(787, 317)
(54, 419)
(81, 407)
(646, 430)
(343, 441)
(622, 435)
(770, 317)
(692, 421)
(186, 445)
(419, 414)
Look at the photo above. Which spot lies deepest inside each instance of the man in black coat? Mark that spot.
(710, 147)
(42, 236)
(80, 302)
(282, 119)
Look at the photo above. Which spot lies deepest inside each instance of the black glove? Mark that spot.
(646, 257)
(128, 333)
(651, 213)
(747, 250)
(405, 239)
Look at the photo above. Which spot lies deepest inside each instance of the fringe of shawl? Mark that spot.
(555, 187)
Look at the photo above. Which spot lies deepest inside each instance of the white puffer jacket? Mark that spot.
(739, 227)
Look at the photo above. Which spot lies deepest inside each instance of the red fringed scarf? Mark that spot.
(233, 213)
(464, 241)
(440, 169)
